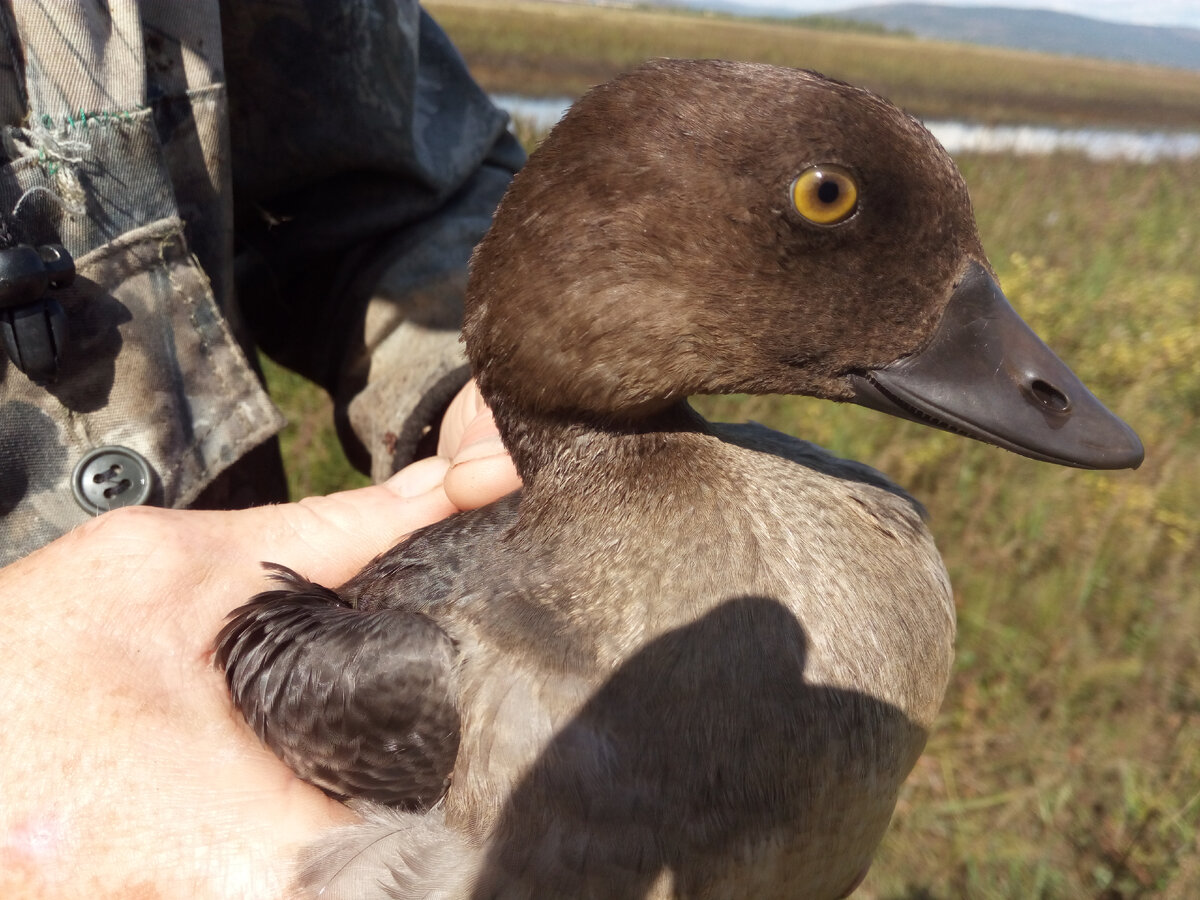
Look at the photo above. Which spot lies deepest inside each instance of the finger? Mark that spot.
(482, 426)
(329, 538)
(482, 472)
(463, 409)
(420, 477)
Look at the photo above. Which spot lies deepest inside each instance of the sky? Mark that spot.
(1139, 12)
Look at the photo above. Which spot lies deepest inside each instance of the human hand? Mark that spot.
(480, 468)
(126, 771)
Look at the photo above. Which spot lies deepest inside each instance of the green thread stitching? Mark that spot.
(84, 118)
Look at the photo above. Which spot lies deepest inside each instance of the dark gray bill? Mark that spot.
(988, 376)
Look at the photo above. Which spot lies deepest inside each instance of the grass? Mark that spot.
(311, 450)
(1065, 761)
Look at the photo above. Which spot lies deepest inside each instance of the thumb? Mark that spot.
(481, 470)
(329, 538)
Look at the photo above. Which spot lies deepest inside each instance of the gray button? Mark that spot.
(111, 477)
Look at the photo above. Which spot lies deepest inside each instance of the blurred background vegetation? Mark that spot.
(1067, 759)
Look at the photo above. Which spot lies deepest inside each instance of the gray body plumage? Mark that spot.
(692, 725)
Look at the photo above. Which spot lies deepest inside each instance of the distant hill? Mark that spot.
(1037, 29)
(1022, 29)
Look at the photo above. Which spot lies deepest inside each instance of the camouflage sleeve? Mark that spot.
(366, 165)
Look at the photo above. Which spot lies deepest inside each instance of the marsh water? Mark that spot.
(967, 137)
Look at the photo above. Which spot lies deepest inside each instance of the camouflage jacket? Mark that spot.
(305, 177)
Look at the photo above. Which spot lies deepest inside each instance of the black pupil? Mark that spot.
(828, 192)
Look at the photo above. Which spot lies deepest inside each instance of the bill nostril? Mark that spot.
(1049, 397)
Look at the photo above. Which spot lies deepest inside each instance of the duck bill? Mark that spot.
(988, 376)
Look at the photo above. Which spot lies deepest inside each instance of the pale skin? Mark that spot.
(125, 772)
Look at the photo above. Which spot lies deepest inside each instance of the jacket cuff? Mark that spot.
(413, 369)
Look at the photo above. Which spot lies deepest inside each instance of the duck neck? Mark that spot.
(563, 444)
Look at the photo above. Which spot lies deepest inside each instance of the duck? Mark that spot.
(686, 659)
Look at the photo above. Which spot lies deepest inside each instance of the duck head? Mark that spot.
(715, 227)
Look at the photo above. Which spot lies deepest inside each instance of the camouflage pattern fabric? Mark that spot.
(305, 176)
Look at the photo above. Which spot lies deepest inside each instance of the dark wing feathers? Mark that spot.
(355, 689)
(434, 567)
(362, 704)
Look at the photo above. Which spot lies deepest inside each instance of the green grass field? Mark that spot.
(1067, 759)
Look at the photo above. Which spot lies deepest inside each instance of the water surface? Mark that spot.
(967, 137)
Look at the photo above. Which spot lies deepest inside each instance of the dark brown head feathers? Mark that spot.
(650, 250)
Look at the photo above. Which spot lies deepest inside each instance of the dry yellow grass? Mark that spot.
(545, 49)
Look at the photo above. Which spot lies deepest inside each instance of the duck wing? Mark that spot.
(361, 704)
(357, 689)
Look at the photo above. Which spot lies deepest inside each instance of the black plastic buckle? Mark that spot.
(34, 326)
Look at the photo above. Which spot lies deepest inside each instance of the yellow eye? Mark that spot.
(825, 195)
